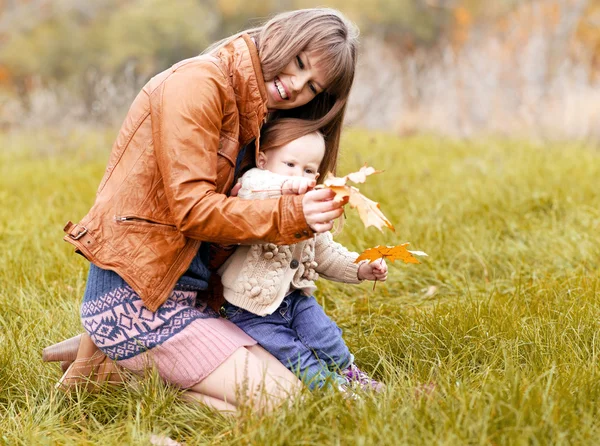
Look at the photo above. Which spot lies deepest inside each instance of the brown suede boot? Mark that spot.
(89, 369)
(65, 351)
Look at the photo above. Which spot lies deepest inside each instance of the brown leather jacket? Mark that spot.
(164, 188)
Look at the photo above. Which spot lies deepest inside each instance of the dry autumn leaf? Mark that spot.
(368, 210)
(391, 253)
(356, 177)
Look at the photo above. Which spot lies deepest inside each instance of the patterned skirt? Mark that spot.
(184, 340)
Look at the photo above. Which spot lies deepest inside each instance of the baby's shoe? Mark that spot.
(347, 391)
(356, 377)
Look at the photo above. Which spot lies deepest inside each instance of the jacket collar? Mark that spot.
(241, 60)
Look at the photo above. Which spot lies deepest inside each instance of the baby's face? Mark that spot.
(299, 158)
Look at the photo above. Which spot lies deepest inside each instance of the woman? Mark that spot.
(163, 198)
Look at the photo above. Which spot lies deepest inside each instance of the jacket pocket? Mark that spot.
(144, 224)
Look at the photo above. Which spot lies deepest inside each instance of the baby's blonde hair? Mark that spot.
(334, 39)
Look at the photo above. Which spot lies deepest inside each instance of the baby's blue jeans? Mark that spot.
(301, 336)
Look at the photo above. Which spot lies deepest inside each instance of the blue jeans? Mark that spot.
(301, 336)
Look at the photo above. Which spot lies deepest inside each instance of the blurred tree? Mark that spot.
(408, 23)
(153, 34)
(80, 44)
(588, 37)
(237, 15)
(74, 38)
(60, 40)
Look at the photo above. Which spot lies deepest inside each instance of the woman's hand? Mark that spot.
(297, 186)
(376, 270)
(320, 209)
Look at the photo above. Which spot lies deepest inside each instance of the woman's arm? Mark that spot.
(187, 113)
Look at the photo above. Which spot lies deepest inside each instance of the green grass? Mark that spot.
(510, 338)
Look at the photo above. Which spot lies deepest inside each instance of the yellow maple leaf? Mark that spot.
(391, 253)
(368, 210)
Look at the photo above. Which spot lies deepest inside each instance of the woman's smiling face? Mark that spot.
(297, 84)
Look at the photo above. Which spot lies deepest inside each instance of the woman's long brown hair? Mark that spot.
(327, 33)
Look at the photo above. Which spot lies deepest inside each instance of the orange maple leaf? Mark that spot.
(391, 253)
(368, 210)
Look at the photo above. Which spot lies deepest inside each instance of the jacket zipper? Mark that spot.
(143, 220)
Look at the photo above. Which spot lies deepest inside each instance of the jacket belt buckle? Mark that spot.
(79, 234)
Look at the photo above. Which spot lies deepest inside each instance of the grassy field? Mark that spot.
(503, 316)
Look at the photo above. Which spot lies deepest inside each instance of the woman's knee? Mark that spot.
(277, 384)
(251, 375)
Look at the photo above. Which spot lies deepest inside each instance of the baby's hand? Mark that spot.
(376, 270)
(297, 186)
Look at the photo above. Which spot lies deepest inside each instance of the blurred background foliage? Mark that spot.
(451, 66)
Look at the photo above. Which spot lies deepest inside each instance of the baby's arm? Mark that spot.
(336, 262)
(259, 184)
(297, 185)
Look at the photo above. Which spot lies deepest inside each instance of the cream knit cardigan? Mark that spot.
(258, 277)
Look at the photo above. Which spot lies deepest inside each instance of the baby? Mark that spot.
(268, 288)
